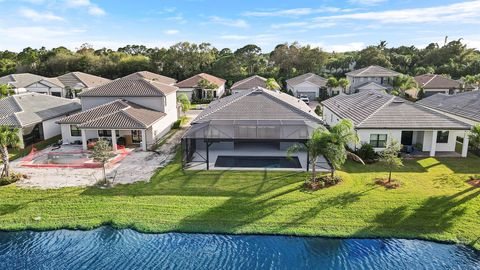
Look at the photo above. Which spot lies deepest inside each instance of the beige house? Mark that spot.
(308, 84)
(190, 87)
(248, 83)
(370, 78)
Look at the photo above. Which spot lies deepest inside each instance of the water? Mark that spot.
(107, 248)
(257, 162)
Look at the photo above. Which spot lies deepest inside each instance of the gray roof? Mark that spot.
(373, 109)
(434, 81)
(118, 114)
(131, 88)
(465, 105)
(373, 71)
(151, 76)
(32, 108)
(250, 82)
(20, 80)
(308, 77)
(74, 79)
(258, 104)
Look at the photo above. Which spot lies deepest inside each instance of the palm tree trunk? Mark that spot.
(6, 161)
(314, 168)
(104, 174)
(389, 176)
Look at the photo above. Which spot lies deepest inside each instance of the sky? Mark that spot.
(332, 25)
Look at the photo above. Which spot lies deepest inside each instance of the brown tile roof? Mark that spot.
(250, 82)
(130, 88)
(465, 105)
(151, 76)
(434, 81)
(308, 77)
(73, 79)
(373, 71)
(192, 82)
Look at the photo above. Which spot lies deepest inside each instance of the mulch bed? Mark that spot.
(390, 185)
(474, 182)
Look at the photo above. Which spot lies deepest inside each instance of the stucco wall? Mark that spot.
(50, 128)
(155, 103)
(329, 117)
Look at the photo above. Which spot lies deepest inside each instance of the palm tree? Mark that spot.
(343, 82)
(332, 83)
(271, 84)
(403, 83)
(474, 137)
(8, 138)
(331, 144)
(5, 91)
(390, 158)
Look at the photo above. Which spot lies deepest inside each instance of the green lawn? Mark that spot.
(433, 203)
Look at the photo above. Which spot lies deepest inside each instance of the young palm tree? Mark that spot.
(8, 138)
(403, 83)
(343, 82)
(271, 84)
(5, 91)
(390, 158)
(474, 137)
(332, 82)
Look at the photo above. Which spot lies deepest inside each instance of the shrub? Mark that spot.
(176, 124)
(318, 110)
(367, 153)
(14, 177)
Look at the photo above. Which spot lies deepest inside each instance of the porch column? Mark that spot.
(465, 145)
(434, 143)
(208, 157)
(84, 139)
(144, 140)
(114, 140)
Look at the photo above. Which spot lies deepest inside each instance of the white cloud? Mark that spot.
(229, 22)
(92, 9)
(366, 2)
(32, 33)
(260, 39)
(304, 25)
(293, 12)
(352, 46)
(171, 32)
(38, 16)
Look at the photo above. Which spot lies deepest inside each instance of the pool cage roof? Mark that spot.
(252, 129)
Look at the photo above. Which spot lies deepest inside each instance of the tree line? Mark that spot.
(182, 60)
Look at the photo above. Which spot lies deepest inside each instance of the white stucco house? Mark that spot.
(190, 87)
(308, 84)
(35, 115)
(248, 83)
(378, 117)
(131, 111)
(433, 84)
(19, 81)
(370, 78)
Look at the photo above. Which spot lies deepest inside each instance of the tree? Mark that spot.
(403, 83)
(390, 158)
(372, 55)
(184, 102)
(343, 82)
(474, 137)
(332, 82)
(207, 86)
(8, 138)
(6, 90)
(102, 152)
(271, 84)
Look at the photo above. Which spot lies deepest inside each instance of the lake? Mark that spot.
(108, 248)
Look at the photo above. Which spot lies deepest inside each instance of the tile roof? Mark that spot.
(258, 104)
(434, 81)
(193, 81)
(54, 81)
(373, 71)
(75, 79)
(308, 77)
(131, 88)
(250, 82)
(32, 108)
(151, 76)
(118, 114)
(20, 80)
(371, 85)
(465, 105)
(373, 109)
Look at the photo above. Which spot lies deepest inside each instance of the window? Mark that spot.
(378, 140)
(74, 131)
(107, 133)
(442, 137)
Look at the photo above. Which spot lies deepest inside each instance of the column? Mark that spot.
(465, 145)
(433, 147)
(114, 140)
(84, 139)
(144, 140)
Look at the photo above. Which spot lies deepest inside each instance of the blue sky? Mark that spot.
(331, 25)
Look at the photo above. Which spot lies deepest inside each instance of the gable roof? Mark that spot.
(73, 79)
(32, 108)
(192, 82)
(258, 104)
(250, 82)
(118, 114)
(151, 76)
(308, 77)
(370, 86)
(20, 80)
(131, 88)
(465, 105)
(377, 110)
(373, 71)
(434, 81)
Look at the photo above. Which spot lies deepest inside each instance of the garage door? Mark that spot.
(310, 95)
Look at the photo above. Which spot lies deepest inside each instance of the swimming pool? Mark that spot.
(258, 162)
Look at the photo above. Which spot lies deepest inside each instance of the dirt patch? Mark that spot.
(393, 184)
(474, 182)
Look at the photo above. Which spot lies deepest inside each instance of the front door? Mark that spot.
(136, 136)
(407, 138)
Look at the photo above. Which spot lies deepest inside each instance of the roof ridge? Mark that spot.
(377, 110)
(288, 104)
(93, 108)
(101, 117)
(241, 95)
(131, 116)
(433, 77)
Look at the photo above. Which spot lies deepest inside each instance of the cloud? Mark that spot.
(38, 16)
(171, 32)
(459, 12)
(33, 32)
(229, 22)
(92, 9)
(260, 39)
(366, 2)
(303, 25)
(352, 46)
(295, 12)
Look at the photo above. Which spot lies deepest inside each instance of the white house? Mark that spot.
(308, 84)
(77, 82)
(433, 84)
(378, 116)
(190, 87)
(35, 115)
(133, 111)
(48, 86)
(370, 78)
(20, 81)
(248, 83)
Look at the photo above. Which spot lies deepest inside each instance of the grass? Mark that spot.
(433, 203)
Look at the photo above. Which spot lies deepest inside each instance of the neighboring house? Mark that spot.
(378, 116)
(248, 83)
(253, 129)
(151, 76)
(20, 81)
(463, 106)
(370, 78)
(48, 86)
(190, 86)
(79, 82)
(135, 111)
(308, 84)
(35, 115)
(433, 84)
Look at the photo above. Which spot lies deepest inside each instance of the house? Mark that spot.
(35, 115)
(248, 83)
(433, 84)
(253, 129)
(378, 117)
(190, 87)
(462, 106)
(370, 78)
(308, 84)
(151, 77)
(133, 111)
(20, 81)
(80, 81)
(48, 86)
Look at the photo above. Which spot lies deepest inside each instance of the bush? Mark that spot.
(318, 110)
(367, 153)
(176, 124)
(14, 177)
(322, 182)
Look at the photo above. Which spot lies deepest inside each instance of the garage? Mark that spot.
(310, 95)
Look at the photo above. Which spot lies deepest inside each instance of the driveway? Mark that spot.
(313, 104)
